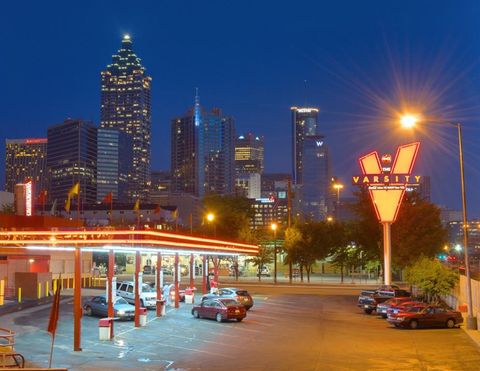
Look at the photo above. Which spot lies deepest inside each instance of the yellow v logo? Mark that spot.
(387, 201)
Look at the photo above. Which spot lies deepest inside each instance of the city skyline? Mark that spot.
(260, 103)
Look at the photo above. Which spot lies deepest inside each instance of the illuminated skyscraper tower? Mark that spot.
(304, 123)
(26, 158)
(125, 106)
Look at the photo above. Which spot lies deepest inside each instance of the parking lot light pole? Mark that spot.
(204, 275)
(111, 267)
(77, 301)
(409, 121)
(274, 229)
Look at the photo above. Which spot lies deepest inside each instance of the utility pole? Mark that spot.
(289, 223)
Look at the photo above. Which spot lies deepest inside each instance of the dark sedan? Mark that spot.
(431, 316)
(403, 307)
(241, 296)
(97, 306)
(220, 310)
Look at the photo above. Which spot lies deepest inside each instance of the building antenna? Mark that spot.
(305, 92)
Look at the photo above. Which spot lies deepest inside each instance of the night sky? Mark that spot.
(364, 62)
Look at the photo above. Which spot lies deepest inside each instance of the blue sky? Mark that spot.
(363, 62)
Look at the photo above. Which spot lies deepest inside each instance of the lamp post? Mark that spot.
(337, 187)
(409, 121)
(274, 229)
(211, 218)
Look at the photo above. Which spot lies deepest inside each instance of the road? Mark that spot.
(289, 328)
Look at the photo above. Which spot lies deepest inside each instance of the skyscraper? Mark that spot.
(203, 152)
(114, 162)
(315, 199)
(249, 154)
(125, 105)
(304, 123)
(26, 158)
(72, 158)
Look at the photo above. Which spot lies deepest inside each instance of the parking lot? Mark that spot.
(289, 328)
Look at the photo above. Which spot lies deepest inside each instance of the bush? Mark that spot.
(431, 277)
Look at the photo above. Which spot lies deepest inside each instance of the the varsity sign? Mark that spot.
(387, 181)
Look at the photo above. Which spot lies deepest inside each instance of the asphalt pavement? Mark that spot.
(289, 328)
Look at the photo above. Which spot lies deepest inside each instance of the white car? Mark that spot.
(148, 295)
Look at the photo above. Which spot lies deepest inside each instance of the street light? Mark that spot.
(338, 187)
(409, 121)
(274, 229)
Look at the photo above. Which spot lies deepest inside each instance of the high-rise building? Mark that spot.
(304, 123)
(125, 105)
(26, 158)
(72, 158)
(114, 163)
(249, 154)
(315, 198)
(249, 184)
(203, 152)
(161, 185)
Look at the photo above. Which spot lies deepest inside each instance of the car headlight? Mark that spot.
(121, 312)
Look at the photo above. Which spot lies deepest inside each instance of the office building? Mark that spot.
(26, 159)
(114, 163)
(249, 154)
(249, 185)
(125, 105)
(203, 152)
(315, 197)
(72, 158)
(161, 184)
(304, 123)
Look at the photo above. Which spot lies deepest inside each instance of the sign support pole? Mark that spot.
(387, 253)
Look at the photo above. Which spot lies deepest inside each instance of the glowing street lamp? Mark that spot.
(409, 121)
(211, 219)
(274, 226)
(338, 187)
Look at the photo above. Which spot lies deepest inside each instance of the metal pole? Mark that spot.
(157, 282)
(471, 320)
(77, 301)
(275, 256)
(137, 287)
(387, 254)
(111, 264)
(204, 275)
(177, 274)
(192, 267)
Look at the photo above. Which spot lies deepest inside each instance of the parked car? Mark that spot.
(181, 294)
(382, 308)
(241, 296)
(148, 295)
(369, 299)
(98, 306)
(220, 309)
(263, 272)
(430, 316)
(394, 309)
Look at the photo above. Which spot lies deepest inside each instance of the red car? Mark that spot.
(402, 307)
(430, 316)
(220, 309)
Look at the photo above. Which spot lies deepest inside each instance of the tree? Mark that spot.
(418, 230)
(430, 276)
(232, 214)
(264, 256)
(293, 237)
